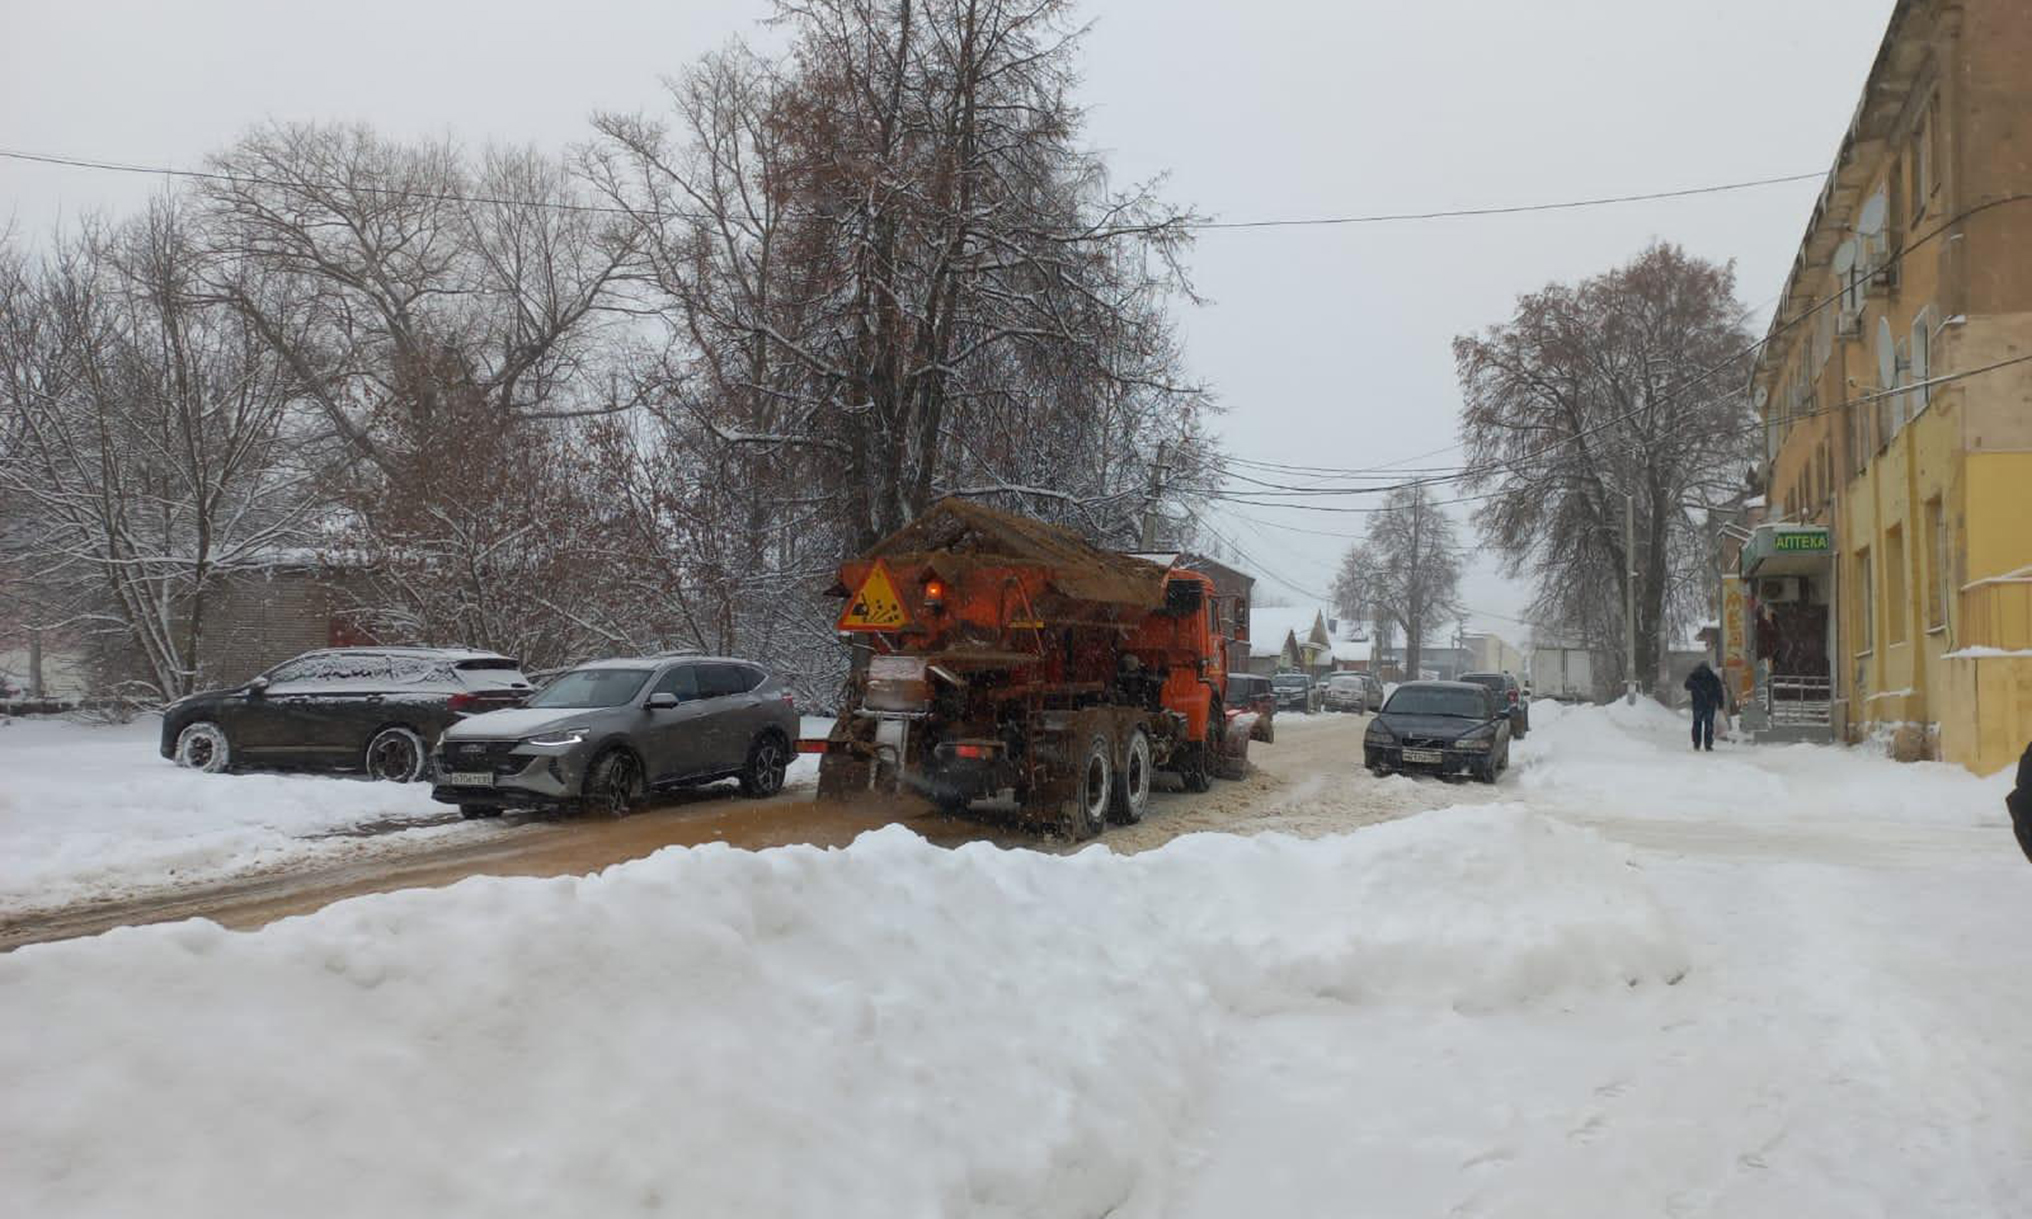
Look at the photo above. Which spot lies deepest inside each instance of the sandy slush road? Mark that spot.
(1309, 783)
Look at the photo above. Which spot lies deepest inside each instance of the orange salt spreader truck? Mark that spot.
(999, 656)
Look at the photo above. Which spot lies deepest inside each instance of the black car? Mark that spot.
(1511, 695)
(1295, 692)
(370, 709)
(1446, 727)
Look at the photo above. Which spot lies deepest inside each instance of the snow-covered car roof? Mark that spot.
(637, 662)
(370, 649)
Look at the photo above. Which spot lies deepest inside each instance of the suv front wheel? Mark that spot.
(203, 746)
(613, 784)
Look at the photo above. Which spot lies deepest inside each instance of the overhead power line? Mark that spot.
(169, 171)
(1748, 429)
(1259, 565)
(1507, 210)
(1557, 447)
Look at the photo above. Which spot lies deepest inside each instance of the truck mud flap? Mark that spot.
(842, 774)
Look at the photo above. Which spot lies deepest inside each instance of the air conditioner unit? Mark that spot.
(1779, 590)
(1848, 324)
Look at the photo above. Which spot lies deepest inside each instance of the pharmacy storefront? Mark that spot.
(1778, 640)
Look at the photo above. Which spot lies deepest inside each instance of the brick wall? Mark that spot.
(258, 621)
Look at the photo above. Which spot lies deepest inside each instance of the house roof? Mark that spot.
(1351, 649)
(1270, 624)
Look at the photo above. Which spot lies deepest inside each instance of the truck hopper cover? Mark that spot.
(956, 535)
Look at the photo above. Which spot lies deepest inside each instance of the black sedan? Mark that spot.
(1446, 727)
(372, 709)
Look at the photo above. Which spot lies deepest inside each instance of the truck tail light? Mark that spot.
(1513, 698)
(973, 751)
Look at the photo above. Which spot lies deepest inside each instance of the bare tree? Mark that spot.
(448, 320)
(149, 441)
(888, 273)
(373, 261)
(651, 397)
(1622, 392)
(1358, 595)
(1406, 573)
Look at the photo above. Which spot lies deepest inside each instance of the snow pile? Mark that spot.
(1470, 907)
(89, 810)
(1639, 760)
(890, 1029)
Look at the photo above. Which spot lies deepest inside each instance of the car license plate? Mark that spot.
(1424, 755)
(469, 778)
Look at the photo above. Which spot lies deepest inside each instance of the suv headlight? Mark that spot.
(557, 739)
(1380, 734)
(1480, 740)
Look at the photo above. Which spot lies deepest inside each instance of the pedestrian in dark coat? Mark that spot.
(2020, 804)
(1706, 687)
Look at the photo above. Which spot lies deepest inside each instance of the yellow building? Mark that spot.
(1895, 420)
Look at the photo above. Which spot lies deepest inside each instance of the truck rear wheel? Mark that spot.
(1086, 814)
(1132, 782)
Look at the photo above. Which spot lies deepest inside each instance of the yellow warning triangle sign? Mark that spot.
(875, 605)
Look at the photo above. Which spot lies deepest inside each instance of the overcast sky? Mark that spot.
(1326, 346)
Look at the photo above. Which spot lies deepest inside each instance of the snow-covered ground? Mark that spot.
(1786, 982)
(89, 810)
(93, 811)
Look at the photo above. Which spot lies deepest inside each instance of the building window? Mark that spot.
(1894, 585)
(1865, 598)
(1920, 157)
(1936, 565)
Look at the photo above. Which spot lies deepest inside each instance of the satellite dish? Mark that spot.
(1871, 222)
(1887, 355)
(1845, 258)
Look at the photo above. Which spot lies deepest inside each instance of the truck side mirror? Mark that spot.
(258, 687)
(662, 700)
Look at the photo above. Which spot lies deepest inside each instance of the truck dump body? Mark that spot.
(1000, 653)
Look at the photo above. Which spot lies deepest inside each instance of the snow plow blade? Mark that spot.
(1233, 762)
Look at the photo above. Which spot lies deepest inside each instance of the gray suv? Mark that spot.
(606, 734)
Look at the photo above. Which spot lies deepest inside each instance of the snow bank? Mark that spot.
(94, 811)
(89, 810)
(1470, 907)
(1639, 761)
(890, 1029)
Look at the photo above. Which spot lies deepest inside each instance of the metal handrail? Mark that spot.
(1799, 700)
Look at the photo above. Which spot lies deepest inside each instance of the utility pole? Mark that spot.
(1630, 595)
(1158, 470)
